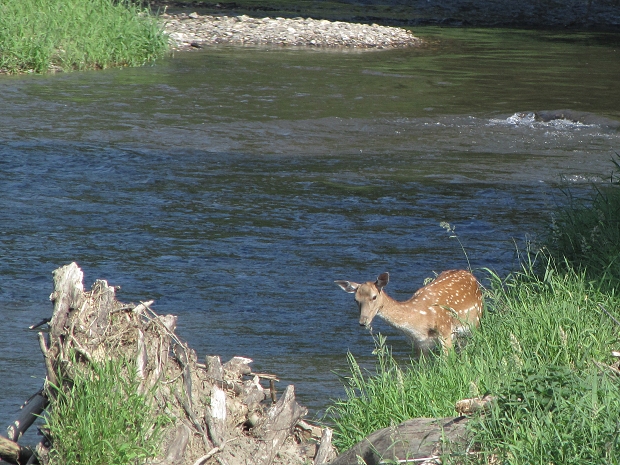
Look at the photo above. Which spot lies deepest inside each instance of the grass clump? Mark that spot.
(41, 35)
(99, 417)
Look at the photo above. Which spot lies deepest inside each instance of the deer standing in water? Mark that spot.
(434, 314)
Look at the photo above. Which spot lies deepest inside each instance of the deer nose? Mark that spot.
(363, 321)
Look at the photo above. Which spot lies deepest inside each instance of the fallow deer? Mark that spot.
(436, 313)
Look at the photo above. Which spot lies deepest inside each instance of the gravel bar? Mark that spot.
(193, 30)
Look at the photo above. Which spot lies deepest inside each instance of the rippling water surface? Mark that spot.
(233, 186)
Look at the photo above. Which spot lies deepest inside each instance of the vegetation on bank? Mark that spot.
(544, 350)
(38, 36)
(99, 417)
(585, 235)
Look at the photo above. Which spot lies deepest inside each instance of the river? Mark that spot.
(234, 185)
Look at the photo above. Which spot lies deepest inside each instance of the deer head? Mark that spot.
(369, 296)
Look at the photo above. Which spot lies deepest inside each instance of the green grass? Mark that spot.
(543, 350)
(42, 35)
(99, 418)
(585, 234)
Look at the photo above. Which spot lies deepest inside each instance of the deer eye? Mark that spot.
(374, 297)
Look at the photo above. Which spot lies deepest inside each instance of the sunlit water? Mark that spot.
(233, 186)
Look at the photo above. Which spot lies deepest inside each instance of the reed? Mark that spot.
(42, 35)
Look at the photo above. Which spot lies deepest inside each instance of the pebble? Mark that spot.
(193, 30)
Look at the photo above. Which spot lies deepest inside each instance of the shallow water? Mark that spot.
(233, 186)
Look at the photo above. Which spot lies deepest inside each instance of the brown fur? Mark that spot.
(435, 313)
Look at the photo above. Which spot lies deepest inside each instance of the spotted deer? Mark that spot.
(436, 313)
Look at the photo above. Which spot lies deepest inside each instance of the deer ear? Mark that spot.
(382, 280)
(347, 286)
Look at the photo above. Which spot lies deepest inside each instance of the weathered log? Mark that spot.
(326, 451)
(49, 362)
(106, 297)
(30, 411)
(215, 417)
(176, 449)
(238, 366)
(220, 414)
(68, 294)
(420, 438)
(13, 453)
(214, 368)
(277, 425)
(253, 393)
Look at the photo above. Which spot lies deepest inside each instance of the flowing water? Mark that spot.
(233, 186)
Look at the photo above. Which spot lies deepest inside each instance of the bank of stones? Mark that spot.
(194, 30)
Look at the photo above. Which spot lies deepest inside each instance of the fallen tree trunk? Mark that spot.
(415, 441)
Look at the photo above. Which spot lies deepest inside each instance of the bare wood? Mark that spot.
(436, 313)
(207, 456)
(277, 425)
(272, 390)
(176, 449)
(197, 426)
(326, 451)
(68, 294)
(142, 307)
(185, 356)
(42, 451)
(266, 376)
(14, 453)
(313, 430)
(44, 321)
(252, 393)
(215, 417)
(412, 440)
(30, 411)
(49, 366)
(238, 366)
(215, 371)
(142, 358)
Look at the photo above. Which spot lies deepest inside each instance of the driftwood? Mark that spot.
(326, 451)
(30, 411)
(422, 440)
(219, 410)
(14, 453)
(176, 448)
(277, 425)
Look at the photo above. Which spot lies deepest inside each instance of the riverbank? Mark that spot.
(195, 30)
(546, 353)
(70, 35)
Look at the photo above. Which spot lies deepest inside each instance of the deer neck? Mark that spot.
(389, 308)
